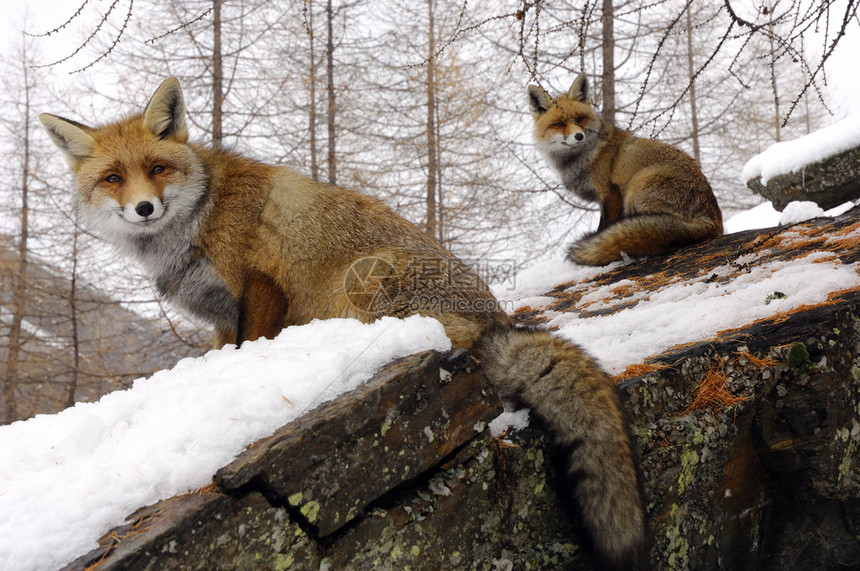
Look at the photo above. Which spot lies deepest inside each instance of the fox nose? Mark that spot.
(579, 136)
(144, 208)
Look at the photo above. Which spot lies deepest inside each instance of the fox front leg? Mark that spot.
(611, 208)
(262, 309)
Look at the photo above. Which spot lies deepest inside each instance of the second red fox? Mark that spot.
(653, 197)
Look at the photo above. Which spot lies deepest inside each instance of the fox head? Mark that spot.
(567, 125)
(135, 174)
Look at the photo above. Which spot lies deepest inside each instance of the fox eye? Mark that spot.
(113, 178)
(559, 124)
(157, 169)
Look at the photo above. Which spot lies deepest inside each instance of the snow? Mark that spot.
(686, 311)
(766, 216)
(800, 211)
(68, 478)
(791, 156)
(762, 216)
(511, 419)
(689, 311)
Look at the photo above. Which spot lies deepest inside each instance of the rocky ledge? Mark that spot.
(829, 182)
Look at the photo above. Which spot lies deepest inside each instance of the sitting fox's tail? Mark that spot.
(579, 403)
(641, 235)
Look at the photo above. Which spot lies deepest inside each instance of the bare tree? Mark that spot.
(217, 75)
(607, 84)
(694, 115)
(331, 109)
(73, 320)
(312, 89)
(432, 219)
(22, 131)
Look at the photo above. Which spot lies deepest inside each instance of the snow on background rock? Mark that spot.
(692, 311)
(791, 156)
(766, 216)
(68, 478)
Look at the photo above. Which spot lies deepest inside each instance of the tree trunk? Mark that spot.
(607, 83)
(312, 104)
(73, 314)
(19, 296)
(430, 227)
(694, 116)
(332, 104)
(776, 117)
(217, 75)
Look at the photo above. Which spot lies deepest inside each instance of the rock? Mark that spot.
(397, 458)
(207, 531)
(490, 506)
(829, 183)
(331, 463)
(769, 479)
(751, 485)
(494, 509)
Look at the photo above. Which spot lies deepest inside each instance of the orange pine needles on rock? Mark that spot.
(712, 393)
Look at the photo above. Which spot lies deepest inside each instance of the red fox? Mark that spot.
(252, 248)
(653, 197)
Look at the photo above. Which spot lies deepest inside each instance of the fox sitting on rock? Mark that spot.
(653, 197)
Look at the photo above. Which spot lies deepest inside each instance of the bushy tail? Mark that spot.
(579, 402)
(641, 235)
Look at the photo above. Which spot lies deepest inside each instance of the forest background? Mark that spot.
(420, 103)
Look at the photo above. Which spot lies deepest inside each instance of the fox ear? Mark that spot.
(165, 113)
(539, 101)
(71, 137)
(579, 91)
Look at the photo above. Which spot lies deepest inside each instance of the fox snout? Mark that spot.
(144, 210)
(569, 139)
